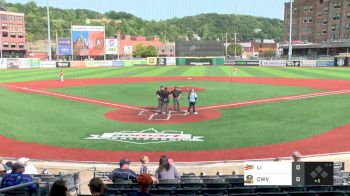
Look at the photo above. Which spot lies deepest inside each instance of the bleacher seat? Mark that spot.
(292, 188)
(213, 192)
(187, 192)
(191, 180)
(192, 185)
(318, 188)
(332, 193)
(265, 189)
(303, 193)
(273, 194)
(164, 192)
(239, 190)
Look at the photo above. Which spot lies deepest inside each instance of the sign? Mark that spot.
(77, 64)
(308, 63)
(324, 63)
(147, 136)
(117, 63)
(293, 63)
(34, 63)
(104, 63)
(273, 63)
(88, 40)
(12, 63)
(112, 46)
(341, 61)
(3, 63)
(161, 61)
(48, 64)
(199, 61)
(62, 64)
(127, 49)
(64, 47)
(151, 61)
(170, 61)
(246, 63)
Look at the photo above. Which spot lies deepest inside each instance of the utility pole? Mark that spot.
(226, 47)
(235, 44)
(48, 30)
(290, 49)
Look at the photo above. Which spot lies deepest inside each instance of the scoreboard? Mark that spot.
(288, 173)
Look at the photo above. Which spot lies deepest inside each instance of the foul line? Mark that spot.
(294, 97)
(71, 97)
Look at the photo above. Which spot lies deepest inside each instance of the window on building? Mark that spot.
(348, 15)
(324, 31)
(20, 35)
(12, 27)
(319, 14)
(336, 16)
(19, 19)
(19, 28)
(295, 10)
(21, 45)
(310, 19)
(3, 17)
(318, 34)
(347, 26)
(348, 35)
(13, 44)
(334, 27)
(311, 8)
(12, 19)
(325, 21)
(325, 10)
(5, 34)
(334, 37)
(305, 9)
(4, 26)
(13, 34)
(337, 5)
(321, 1)
(6, 44)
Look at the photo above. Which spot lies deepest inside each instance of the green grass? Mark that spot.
(54, 121)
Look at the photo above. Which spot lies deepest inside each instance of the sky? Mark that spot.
(167, 9)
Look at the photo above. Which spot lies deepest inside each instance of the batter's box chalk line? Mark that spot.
(153, 116)
(179, 113)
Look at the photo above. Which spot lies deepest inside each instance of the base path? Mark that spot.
(330, 142)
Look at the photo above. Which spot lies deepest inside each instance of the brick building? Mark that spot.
(318, 21)
(13, 36)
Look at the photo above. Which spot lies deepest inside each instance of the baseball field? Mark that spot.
(104, 114)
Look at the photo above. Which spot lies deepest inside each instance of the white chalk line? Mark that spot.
(293, 97)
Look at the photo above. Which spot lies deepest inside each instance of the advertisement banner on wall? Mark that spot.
(293, 63)
(151, 60)
(104, 63)
(308, 63)
(273, 63)
(62, 64)
(24, 63)
(64, 47)
(88, 40)
(161, 61)
(341, 61)
(325, 63)
(117, 63)
(91, 63)
(170, 61)
(112, 46)
(77, 64)
(128, 50)
(48, 64)
(12, 63)
(3, 63)
(199, 61)
(34, 63)
(245, 63)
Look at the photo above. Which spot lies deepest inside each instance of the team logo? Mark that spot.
(340, 62)
(147, 136)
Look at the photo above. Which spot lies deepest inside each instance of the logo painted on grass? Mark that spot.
(147, 136)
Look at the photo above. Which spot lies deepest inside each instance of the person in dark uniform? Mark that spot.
(164, 94)
(176, 98)
(159, 98)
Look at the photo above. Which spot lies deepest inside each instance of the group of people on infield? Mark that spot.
(164, 95)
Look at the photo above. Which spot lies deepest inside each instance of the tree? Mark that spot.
(268, 53)
(144, 51)
(233, 50)
(138, 50)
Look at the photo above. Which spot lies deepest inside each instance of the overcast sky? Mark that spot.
(165, 9)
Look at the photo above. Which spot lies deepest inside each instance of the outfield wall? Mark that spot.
(26, 63)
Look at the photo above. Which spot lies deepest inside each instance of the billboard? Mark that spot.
(112, 46)
(64, 47)
(127, 49)
(88, 40)
(199, 48)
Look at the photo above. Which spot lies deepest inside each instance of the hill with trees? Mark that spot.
(210, 26)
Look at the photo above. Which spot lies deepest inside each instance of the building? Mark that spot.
(13, 36)
(321, 24)
(258, 48)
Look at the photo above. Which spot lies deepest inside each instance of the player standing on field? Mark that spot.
(61, 76)
(176, 98)
(165, 94)
(159, 98)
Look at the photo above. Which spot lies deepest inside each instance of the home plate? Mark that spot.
(159, 117)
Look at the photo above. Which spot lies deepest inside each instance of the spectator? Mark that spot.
(144, 165)
(29, 167)
(8, 166)
(166, 170)
(123, 173)
(192, 99)
(96, 187)
(58, 188)
(296, 156)
(144, 181)
(2, 172)
(17, 177)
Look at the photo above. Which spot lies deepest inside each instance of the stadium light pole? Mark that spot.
(290, 49)
(48, 31)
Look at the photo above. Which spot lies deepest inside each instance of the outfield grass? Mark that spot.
(54, 121)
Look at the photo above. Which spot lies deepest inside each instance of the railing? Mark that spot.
(24, 185)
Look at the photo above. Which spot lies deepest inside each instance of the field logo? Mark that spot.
(147, 136)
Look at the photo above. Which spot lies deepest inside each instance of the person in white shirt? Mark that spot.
(29, 167)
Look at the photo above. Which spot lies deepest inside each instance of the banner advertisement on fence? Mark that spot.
(128, 50)
(104, 63)
(34, 63)
(325, 63)
(112, 46)
(64, 47)
(308, 63)
(273, 63)
(12, 63)
(170, 61)
(3, 63)
(91, 63)
(48, 64)
(293, 63)
(77, 64)
(151, 60)
(88, 40)
(62, 64)
(245, 63)
(24, 63)
(117, 63)
(341, 61)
